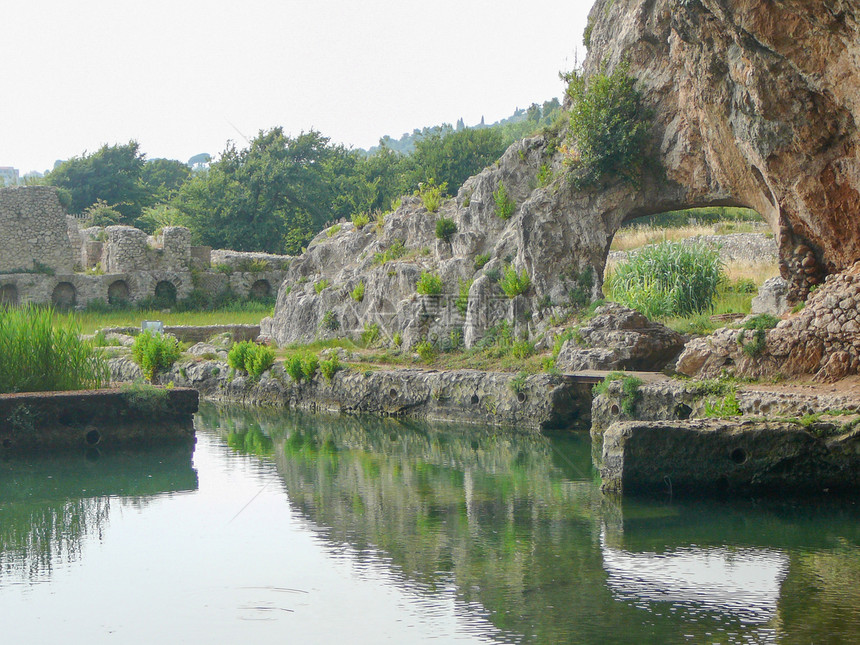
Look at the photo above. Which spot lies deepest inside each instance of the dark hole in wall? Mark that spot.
(93, 437)
(738, 455)
(683, 411)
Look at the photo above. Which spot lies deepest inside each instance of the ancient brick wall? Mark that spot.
(33, 231)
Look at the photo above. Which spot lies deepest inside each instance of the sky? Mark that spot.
(183, 77)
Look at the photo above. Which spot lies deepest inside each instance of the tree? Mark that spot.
(456, 156)
(272, 196)
(162, 179)
(112, 174)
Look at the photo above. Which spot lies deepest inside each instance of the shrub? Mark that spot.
(154, 353)
(544, 175)
(607, 127)
(426, 351)
(370, 334)
(321, 285)
(445, 228)
(522, 349)
(250, 357)
(429, 284)
(462, 301)
(331, 231)
(329, 321)
(668, 279)
(512, 283)
(310, 365)
(505, 206)
(397, 339)
(393, 252)
(329, 366)
(293, 367)
(759, 326)
(43, 352)
(431, 194)
(360, 220)
(358, 293)
(481, 260)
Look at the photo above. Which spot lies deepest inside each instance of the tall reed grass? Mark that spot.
(668, 279)
(42, 351)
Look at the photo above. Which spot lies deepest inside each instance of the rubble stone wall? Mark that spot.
(33, 231)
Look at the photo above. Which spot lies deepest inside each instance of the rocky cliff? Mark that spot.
(755, 103)
(750, 103)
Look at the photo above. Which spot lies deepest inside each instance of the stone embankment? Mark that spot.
(125, 418)
(656, 439)
(539, 401)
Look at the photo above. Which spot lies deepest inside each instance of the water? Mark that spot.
(287, 528)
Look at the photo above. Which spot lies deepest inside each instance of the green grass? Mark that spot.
(41, 350)
(91, 321)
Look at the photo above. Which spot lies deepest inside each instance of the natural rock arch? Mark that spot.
(118, 292)
(9, 295)
(64, 296)
(165, 293)
(749, 110)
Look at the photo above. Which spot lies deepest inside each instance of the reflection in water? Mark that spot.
(516, 525)
(352, 529)
(50, 505)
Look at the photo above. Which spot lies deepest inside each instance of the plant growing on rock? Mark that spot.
(426, 351)
(481, 260)
(513, 283)
(608, 127)
(393, 252)
(331, 231)
(505, 206)
(330, 366)
(358, 293)
(759, 326)
(445, 228)
(462, 302)
(360, 220)
(370, 334)
(431, 194)
(251, 357)
(429, 284)
(293, 367)
(321, 285)
(310, 365)
(629, 389)
(668, 279)
(154, 353)
(329, 321)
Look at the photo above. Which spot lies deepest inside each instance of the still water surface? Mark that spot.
(289, 528)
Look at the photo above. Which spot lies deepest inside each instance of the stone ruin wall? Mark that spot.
(45, 257)
(33, 229)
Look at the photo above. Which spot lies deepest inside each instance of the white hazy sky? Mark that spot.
(183, 76)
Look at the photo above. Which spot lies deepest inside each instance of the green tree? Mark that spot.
(162, 179)
(453, 157)
(111, 174)
(272, 196)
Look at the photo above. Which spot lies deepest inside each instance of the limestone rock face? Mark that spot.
(772, 298)
(755, 103)
(619, 338)
(823, 339)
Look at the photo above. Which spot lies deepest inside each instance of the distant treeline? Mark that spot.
(275, 194)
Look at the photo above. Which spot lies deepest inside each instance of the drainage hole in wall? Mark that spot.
(521, 397)
(475, 399)
(739, 455)
(392, 393)
(93, 437)
(614, 410)
(683, 411)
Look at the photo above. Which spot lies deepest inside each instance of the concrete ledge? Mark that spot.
(720, 456)
(57, 421)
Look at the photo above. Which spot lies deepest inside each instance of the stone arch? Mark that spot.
(260, 290)
(165, 293)
(8, 295)
(118, 292)
(64, 296)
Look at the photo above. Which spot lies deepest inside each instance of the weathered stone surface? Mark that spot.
(620, 338)
(755, 104)
(34, 229)
(822, 339)
(56, 421)
(772, 298)
(465, 396)
(718, 456)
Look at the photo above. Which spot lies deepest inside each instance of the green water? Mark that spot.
(290, 528)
